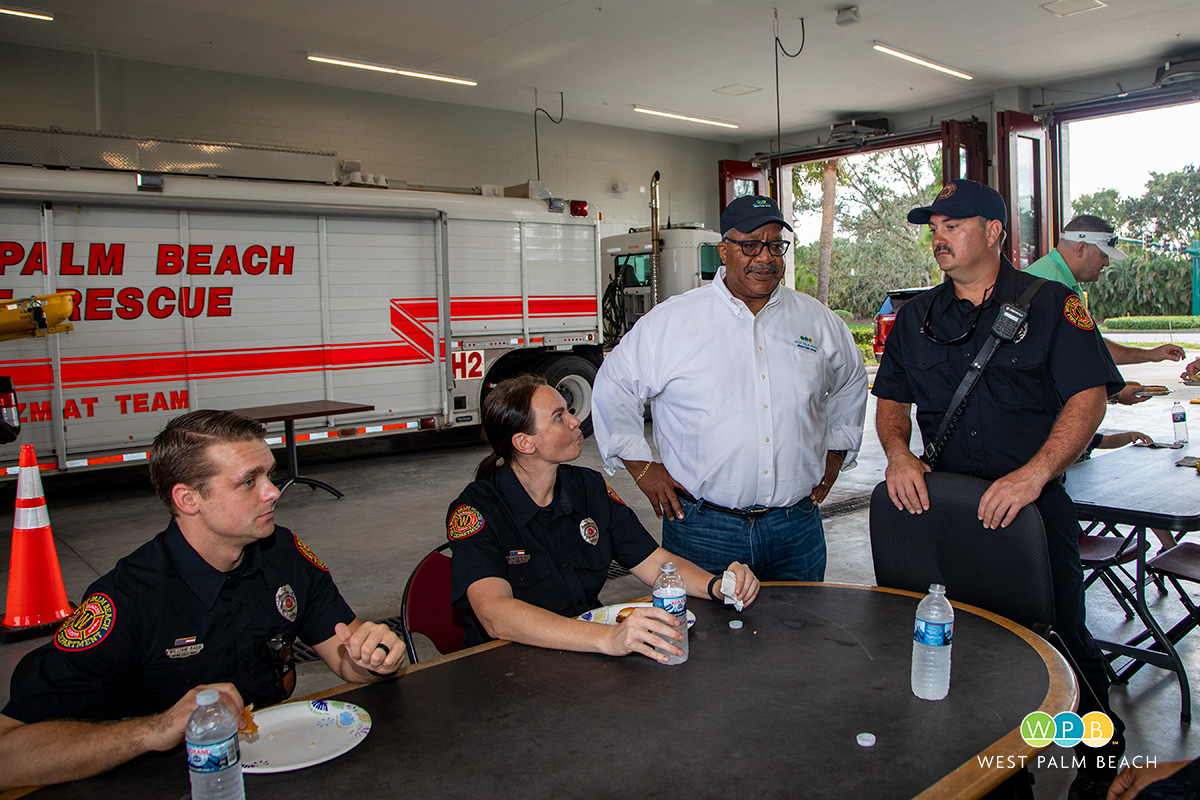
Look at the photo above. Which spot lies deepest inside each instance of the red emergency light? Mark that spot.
(579, 208)
(10, 419)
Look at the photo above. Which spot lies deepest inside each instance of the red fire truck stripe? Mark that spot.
(407, 318)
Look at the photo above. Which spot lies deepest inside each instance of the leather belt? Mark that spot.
(744, 513)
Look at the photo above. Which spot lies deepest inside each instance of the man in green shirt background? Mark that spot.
(1084, 248)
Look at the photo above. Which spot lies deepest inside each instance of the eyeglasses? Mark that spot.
(282, 663)
(752, 247)
(927, 325)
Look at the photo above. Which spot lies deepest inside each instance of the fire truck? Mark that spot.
(215, 292)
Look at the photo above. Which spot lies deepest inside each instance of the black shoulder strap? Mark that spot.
(935, 446)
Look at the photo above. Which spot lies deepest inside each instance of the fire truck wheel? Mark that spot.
(572, 377)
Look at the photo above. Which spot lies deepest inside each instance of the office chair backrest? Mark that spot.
(1006, 570)
(426, 605)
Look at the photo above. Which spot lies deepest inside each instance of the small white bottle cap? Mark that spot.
(206, 697)
(736, 624)
(866, 739)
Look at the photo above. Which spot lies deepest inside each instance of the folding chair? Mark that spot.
(1180, 563)
(425, 605)
(1103, 556)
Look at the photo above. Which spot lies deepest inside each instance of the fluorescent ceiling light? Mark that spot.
(1067, 8)
(31, 13)
(345, 62)
(684, 117)
(924, 62)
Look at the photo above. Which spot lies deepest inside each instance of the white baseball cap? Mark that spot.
(1107, 242)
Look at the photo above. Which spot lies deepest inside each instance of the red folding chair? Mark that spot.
(425, 606)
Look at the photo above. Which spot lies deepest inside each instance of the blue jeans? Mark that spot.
(786, 544)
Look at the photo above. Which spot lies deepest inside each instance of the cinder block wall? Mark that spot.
(421, 142)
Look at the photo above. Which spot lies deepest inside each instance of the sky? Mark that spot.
(1120, 152)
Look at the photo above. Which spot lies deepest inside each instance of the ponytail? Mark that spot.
(487, 466)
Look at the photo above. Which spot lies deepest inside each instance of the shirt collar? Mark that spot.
(202, 578)
(732, 302)
(521, 504)
(1064, 273)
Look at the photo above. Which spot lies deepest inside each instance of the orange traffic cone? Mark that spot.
(37, 600)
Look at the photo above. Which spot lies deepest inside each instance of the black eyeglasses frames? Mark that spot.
(752, 247)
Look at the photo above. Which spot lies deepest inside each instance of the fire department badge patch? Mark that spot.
(309, 554)
(947, 190)
(589, 530)
(88, 626)
(285, 601)
(1076, 314)
(613, 495)
(465, 521)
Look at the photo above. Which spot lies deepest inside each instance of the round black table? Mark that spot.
(771, 710)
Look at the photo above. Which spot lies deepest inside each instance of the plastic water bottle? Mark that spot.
(214, 762)
(671, 594)
(1179, 420)
(933, 635)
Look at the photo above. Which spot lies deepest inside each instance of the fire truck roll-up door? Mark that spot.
(228, 302)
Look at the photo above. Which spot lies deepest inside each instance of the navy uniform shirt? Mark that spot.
(556, 557)
(164, 621)
(1009, 414)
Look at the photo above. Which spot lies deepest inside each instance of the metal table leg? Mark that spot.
(1163, 654)
(294, 476)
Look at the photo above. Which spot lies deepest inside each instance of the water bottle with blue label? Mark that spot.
(933, 634)
(671, 594)
(214, 761)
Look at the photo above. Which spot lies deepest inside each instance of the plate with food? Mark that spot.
(1152, 390)
(616, 613)
(293, 736)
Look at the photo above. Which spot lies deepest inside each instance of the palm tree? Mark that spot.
(826, 174)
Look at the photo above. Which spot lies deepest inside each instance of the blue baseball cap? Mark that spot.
(961, 199)
(749, 213)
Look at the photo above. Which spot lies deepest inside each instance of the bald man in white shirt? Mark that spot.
(758, 395)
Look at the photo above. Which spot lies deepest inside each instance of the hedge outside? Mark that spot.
(1173, 323)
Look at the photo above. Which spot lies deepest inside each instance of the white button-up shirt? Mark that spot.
(745, 406)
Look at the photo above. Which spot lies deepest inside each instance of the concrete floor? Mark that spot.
(397, 491)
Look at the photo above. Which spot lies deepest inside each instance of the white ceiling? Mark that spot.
(608, 55)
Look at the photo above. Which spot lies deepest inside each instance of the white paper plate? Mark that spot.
(607, 615)
(298, 735)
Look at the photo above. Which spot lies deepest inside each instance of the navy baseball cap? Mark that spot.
(960, 199)
(748, 214)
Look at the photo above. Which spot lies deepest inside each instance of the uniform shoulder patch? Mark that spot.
(87, 627)
(613, 494)
(1076, 314)
(309, 554)
(465, 521)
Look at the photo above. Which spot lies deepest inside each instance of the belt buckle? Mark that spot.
(755, 513)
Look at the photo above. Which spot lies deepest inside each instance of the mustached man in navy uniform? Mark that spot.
(1030, 416)
(214, 601)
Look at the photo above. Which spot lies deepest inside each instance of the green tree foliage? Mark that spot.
(876, 248)
(1157, 279)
